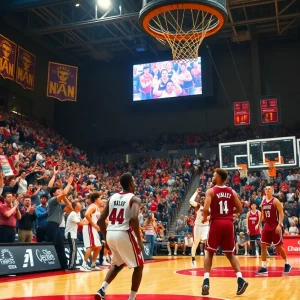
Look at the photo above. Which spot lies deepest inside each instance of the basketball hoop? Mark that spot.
(243, 170)
(183, 24)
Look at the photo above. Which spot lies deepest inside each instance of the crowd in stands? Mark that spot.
(40, 159)
(171, 141)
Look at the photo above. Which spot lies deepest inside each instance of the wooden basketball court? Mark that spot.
(164, 278)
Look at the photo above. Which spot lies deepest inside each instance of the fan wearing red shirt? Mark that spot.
(153, 207)
(220, 202)
(236, 179)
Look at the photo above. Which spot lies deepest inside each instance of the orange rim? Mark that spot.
(163, 9)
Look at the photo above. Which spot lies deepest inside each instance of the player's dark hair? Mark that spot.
(94, 196)
(125, 180)
(53, 190)
(222, 173)
(74, 203)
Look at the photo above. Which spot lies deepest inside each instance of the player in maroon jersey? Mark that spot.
(272, 216)
(221, 201)
(252, 223)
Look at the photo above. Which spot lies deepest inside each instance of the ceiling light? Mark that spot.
(105, 4)
(77, 4)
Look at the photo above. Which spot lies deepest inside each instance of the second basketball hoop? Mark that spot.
(183, 24)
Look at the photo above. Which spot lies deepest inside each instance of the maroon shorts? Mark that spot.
(269, 234)
(221, 233)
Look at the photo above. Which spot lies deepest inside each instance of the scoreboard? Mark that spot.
(241, 113)
(269, 111)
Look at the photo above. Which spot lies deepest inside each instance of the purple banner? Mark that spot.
(8, 51)
(25, 74)
(62, 82)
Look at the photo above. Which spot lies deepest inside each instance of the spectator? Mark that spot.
(241, 242)
(181, 225)
(55, 213)
(25, 225)
(9, 214)
(150, 232)
(72, 224)
(172, 244)
(22, 184)
(188, 244)
(41, 219)
(293, 230)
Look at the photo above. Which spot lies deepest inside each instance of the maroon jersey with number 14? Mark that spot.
(221, 232)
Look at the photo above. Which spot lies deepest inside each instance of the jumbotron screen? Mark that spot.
(167, 79)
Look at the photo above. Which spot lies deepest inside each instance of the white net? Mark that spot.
(184, 30)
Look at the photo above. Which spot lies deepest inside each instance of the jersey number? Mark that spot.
(223, 207)
(113, 217)
(267, 213)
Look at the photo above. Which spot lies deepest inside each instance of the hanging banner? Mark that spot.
(269, 110)
(241, 113)
(25, 73)
(62, 82)
(8, 51)
(6, 166)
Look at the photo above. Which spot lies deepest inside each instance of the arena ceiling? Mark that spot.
(86, 33)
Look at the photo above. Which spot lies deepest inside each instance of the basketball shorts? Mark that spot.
(269, 235)
(200, 233)
(90, 237)
(221, 233)
(124, 248)
(255, 237)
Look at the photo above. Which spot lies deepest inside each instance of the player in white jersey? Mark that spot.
(122, 235)
(90, 233)
(200, 230)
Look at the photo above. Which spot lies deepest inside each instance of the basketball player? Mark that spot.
(253, 230)
(221, 201)
(90, 234)
(122, 211)
(272, 216)
(200, 230)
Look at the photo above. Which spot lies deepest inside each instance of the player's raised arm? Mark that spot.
(193, 198)
(207, 203)
(237, 203)
(102, 219)
(134, 221)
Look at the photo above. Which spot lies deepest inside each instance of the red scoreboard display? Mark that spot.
(241, 113)
(269, 111)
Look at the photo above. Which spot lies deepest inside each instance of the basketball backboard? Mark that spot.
(298, 145)
(232, 155)
(282, 151)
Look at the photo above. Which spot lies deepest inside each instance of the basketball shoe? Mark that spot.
(100, 295)
(205, 287)
(242, 286)
(194, 264)
(287, 269)
(262, 271)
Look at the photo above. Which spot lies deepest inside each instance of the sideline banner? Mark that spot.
(8, 52)
(27, 258)
(25, 74)
(62, 82)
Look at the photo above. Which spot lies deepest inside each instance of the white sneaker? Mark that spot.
(175, 253)
(85, 268)
(95, 268)
(170, 254)
(257, 253)
(105, 263)
(202, 253)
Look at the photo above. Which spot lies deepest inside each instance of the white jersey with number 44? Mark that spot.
(119, 212)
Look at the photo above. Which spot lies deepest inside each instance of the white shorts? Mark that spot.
(124, 248)
(200, 232)
(90, 237)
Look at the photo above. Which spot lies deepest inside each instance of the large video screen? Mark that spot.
(167, 79)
